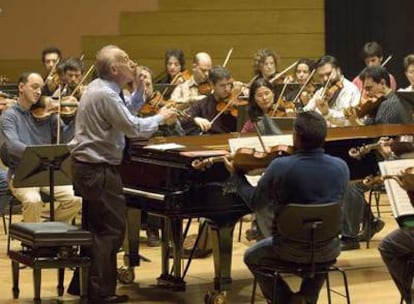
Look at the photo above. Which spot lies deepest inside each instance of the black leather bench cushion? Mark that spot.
(49, 234)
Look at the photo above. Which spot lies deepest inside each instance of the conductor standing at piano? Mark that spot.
(103, 119)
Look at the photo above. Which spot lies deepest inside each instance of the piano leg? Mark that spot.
(173, 230)
(222, 236)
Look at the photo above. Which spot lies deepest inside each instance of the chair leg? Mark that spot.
(328, 288)
(61, 278)
(83, 282)
(37, 278)
(240, 229)
(4, 223)
(254, 290)
(15, 275)
(377, 201)
(348, 298)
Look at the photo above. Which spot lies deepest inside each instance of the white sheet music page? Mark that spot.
(253, 142)
(398, 198)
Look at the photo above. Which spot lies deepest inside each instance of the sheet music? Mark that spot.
(253, 142)
(398, 197)
(164, 147)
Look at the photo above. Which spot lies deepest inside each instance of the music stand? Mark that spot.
(42, 166)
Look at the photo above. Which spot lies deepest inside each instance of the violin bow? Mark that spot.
(295, 100)
(259, 135)
(82, 80)
(227, 57)
(229, 103)
(278, 75)
(52, 70)
(386, 60)
(279, 100)
(58, 115)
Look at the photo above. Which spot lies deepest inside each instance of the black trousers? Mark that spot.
(104, 216)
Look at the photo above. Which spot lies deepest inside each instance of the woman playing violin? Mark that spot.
(303, 69)
(336, 94)
(175, 70)
(261, 102)
(265, 62)
(205, 114)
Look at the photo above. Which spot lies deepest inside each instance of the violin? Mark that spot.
(247, 159)
(204, 88)
(154, 104)
(400, 145)
(6, 101)
(405, 179)
(68, 107)
(231, 103)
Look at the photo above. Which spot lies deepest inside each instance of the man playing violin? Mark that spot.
(293, 179)
(387, 109)
(20, 129)
(372, 54)
(204, 111)
(336, 94)
(190, 90)
(50, 60)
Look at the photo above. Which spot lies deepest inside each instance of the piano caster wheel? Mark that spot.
(215, 297)
(126, 275)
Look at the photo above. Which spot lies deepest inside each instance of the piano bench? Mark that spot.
(49, 245)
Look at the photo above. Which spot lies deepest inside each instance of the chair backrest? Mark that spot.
(310, 222)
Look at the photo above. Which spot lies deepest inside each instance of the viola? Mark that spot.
(332, 91)
(231, 103)
(247, 159)
(405, 179)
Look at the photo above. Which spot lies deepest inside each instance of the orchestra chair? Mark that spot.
(4, 202)
(54, 245)
(374, 195)
(309, 224)
(409, 276)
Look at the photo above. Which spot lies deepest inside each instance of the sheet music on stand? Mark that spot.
(401, 207)
(253, 142)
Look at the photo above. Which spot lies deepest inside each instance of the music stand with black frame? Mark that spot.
(41, 166)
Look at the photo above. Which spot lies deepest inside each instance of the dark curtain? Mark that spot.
(349, 24)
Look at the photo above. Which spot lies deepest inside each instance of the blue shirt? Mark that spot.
(102, 121)
(305, 177)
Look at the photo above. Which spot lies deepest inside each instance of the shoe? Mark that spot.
(376, 226)
(153, 238)
(108, 299)
(349, 243)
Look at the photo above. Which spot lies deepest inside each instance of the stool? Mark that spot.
(49, 245)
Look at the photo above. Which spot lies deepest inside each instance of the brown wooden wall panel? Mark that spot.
(222, 22)
(13, 68)
(239, 4)
(295, 45)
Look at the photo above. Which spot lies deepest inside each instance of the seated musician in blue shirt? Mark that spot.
(309, 176)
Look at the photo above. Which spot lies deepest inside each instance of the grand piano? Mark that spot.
(167, 185)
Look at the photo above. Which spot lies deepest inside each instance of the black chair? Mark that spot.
(374, 195)
(312, 225)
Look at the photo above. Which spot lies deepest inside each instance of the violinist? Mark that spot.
(373, 55)
(303, 69)
(171, 127)
(265, 62)
(72, 72)
(388, 107)
(409, 72)
(174, 64)
(336, 93)
(295, 178)
(19, 129)
(261, 102)
(50, 60)
(197, 87)
(205, 110)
